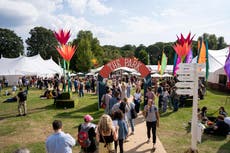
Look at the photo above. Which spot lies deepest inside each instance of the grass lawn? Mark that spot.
(31, 131)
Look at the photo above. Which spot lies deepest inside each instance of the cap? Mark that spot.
(88, 118)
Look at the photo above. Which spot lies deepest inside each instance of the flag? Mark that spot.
(207, 62)
(178, 61)
(227, 65)
(163, 63)
(189, 57)
(174, 62)
(201, 52)
(159, 66)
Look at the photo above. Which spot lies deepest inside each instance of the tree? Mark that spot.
(143, 57)
(11, 45)
(220, 43)
(138, 49)
(154, 52)
(110, 53)
(43, 42)
(127, 50)
(212, 42)
(81, 60)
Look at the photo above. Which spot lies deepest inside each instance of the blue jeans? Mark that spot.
(175, 104)
(81, 93)
(137, 105)
(131, 122)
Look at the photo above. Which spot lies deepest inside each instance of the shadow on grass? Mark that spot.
(30, 111)
(166, 114)
(218, 93)
(210, 137)
(225, 148)
(81, 112)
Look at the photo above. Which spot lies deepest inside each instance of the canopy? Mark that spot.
(34, 65)
(12, 68)
(216, 59)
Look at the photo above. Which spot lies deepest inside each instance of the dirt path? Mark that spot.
(137, 142)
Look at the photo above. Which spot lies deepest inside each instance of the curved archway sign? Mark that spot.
(122, 62)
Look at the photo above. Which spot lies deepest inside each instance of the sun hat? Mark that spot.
(88, 118)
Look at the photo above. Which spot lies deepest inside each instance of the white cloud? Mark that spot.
(99, 8)
(95, 6)
(11, 14)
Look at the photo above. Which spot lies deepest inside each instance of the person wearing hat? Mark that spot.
(90, 128)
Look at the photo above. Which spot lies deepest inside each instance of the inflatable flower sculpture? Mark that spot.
(183, 46)
(62, 36)
(66, 51)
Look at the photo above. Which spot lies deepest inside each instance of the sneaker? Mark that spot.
(18, 115)
(24, 114)
(148, 141)
(132, 133)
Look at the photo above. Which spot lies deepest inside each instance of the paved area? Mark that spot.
(137, 142)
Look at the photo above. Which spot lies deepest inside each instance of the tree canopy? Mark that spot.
(43, 42)
(11, 45)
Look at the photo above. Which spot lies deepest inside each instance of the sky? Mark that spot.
(120, 22)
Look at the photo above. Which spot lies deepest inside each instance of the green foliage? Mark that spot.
(11, 45)
(143, 57)
(214, 43)
(88, 48)
(43, 42)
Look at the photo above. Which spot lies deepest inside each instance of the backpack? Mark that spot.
(83, 137)
(23, 96)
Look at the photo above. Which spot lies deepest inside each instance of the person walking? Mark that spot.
(137, 99)
(59, 142)
(22, 97)
(152, 121)
(89, 128)
(106, 134)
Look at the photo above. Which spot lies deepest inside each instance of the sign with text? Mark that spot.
(184, 91)
(132, 63)
(184, 84)
(185, 78)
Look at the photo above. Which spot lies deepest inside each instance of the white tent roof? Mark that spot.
(28, 66)
(216, 59)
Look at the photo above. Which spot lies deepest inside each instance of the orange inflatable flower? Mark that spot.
(66, 51)
(182, 50)
(62, 36)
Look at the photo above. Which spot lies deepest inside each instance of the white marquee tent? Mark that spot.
(12, 68)
(216, 59)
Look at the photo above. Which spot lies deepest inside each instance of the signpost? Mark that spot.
(189, 72)
(184, 91)
(185, 85)
(185, 77)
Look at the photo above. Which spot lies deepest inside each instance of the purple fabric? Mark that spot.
(227, 65)
(189, 57)
(178, 61)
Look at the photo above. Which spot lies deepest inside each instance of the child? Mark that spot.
(123, 130)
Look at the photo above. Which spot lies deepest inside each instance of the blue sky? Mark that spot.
(120, 22)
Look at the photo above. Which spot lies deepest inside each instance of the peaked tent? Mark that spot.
(12, 68)
(216, 59)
